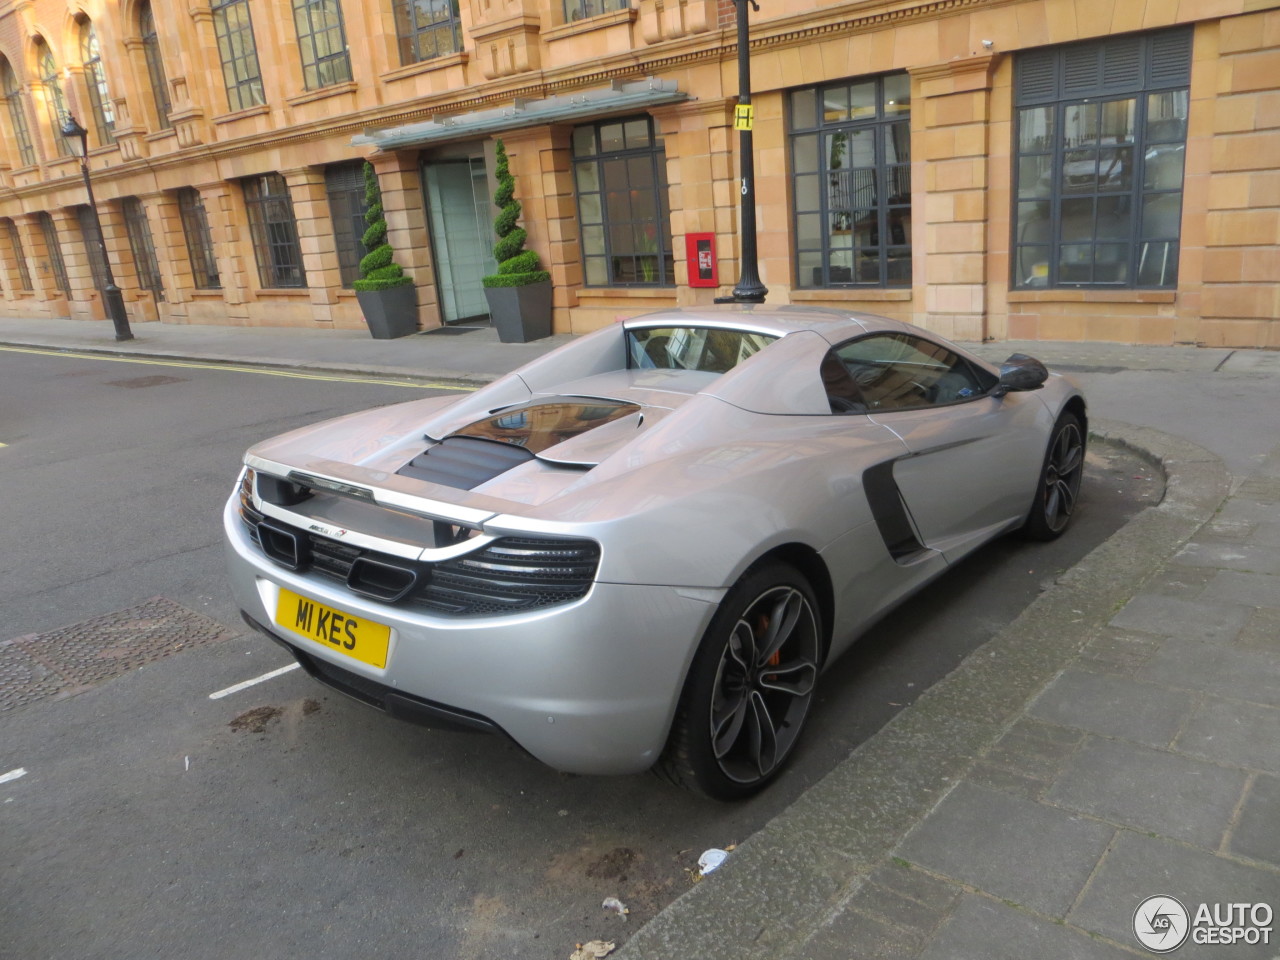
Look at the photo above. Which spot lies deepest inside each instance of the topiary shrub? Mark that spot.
(517, 267)
(378, 269)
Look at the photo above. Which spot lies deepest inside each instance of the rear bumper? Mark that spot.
(586, 687)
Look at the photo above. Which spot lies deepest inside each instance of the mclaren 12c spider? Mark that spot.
(641, 549)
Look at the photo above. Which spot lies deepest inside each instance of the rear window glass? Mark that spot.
(709, 349)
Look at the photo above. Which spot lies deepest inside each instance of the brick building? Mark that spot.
(1066, 169)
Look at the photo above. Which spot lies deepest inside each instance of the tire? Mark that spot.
(749, 687)
(1058, 488)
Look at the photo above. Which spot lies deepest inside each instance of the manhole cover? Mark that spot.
(134, 383)
(43, 664)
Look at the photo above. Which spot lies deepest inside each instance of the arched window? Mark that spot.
(155, 65)
(53, 96)
(17, 115)
(95, 78)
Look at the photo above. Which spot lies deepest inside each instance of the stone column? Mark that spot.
(43, 284)
(540, 158)
(950, 112)
(165, 224)
(700, 146)
(406, 212)
(315, 239)
(84, 301)
(232, 246)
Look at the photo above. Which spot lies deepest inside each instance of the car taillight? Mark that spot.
(512, 574)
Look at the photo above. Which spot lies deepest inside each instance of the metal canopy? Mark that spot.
(580, 105)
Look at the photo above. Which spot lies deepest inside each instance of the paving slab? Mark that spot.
(1154, 790)
(1257, 832)
(982, 929)
(1189, 619)
(1228, 731)
(1114, 706)
(1228, 670)
(1250, 558)
(1009, 847)
(1137, 867)
(1254, 589)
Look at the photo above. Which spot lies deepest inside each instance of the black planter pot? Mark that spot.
(521, 314)
(390, 313)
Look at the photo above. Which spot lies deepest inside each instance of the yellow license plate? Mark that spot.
(355, 637)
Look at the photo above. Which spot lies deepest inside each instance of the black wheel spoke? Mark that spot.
(1070, 462)
(1066, 498)
(726, 730)
(796, 678)
(782, 623)
(763, 735)
(742, 646)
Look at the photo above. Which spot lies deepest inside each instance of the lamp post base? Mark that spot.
(113, 299)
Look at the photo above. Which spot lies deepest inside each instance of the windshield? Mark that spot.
(709, 349)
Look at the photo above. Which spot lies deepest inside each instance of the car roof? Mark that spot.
(831, 324)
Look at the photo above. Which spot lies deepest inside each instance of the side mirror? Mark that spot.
(1021, 372)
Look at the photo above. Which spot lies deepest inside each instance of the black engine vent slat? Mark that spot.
(464, 462)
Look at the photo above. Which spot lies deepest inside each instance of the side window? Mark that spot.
(896, 371)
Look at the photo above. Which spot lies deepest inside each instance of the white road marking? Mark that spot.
(249, 683)
(13, 775)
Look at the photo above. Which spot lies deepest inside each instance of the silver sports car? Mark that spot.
(643, 548)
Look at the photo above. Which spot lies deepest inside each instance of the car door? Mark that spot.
(973, 457)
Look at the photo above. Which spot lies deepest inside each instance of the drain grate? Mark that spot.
(45, 664)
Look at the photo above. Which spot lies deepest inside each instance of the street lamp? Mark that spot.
(78, 140)
(749, 288)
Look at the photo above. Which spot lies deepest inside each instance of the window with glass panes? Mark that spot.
(322, 41)
(241, 74)
(17, 114)
(195, 228)
(92, 239)
(1100, 136)
(95, 79)
(54, 251)
(19, 253)
(426, 29)
(275, 231)
(344, 183)
(851, 169)
(53, 96)
(620, 169)
(582, 9)
(155, 65)
(142, 247)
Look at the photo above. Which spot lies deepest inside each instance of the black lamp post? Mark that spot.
(78, 139)
(749, 288)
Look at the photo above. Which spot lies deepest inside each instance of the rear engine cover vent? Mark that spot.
(464, 462)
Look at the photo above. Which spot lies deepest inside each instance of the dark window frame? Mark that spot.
(17, 113)
(345, 188)
(155, 65)
(55, 99)
(651, 258)
(1058, 85)
(199, 239)
(238, 52)
(321, 69)
(53, 250)
(424, 35)
(825, 196)
(141, 244)
(95, 80)
(94, 248)
(575, 10)
(19, 253)
(274, 228)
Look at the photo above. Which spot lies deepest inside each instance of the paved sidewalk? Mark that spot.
(1120, 740)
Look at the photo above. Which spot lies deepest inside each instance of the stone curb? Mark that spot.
(446, 378)
(799, 871)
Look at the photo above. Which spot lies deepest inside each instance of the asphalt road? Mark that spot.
(285, 820)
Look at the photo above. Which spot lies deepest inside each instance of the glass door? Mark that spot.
(461, 215)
